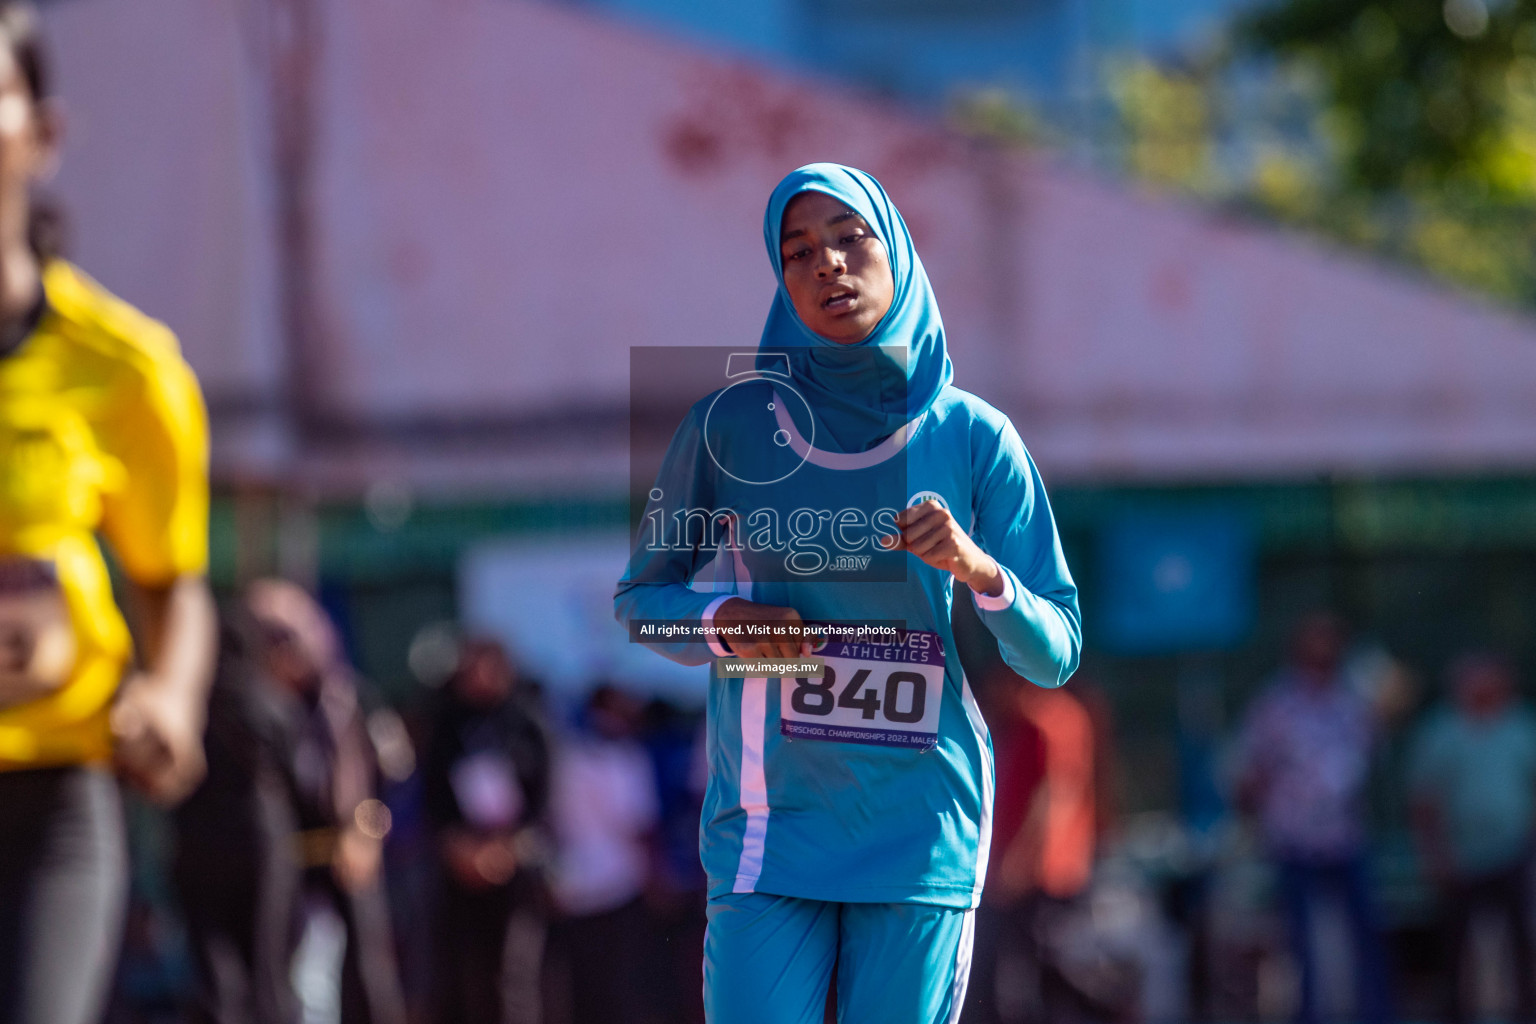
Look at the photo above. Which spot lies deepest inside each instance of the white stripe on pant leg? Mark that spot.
(983, 745)
(962, 967)
(754, 786)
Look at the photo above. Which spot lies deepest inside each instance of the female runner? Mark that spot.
(102, 433)
(842, 479)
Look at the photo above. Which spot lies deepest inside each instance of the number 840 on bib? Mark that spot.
(882, 694)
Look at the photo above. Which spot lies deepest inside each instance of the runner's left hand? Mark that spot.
(932, 534)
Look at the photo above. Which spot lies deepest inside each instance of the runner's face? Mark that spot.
(835, 268)
(28, 131)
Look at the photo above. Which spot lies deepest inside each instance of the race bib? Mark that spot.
(886, 693)
(37, 639)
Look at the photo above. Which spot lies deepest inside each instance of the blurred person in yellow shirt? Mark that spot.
(102, 435)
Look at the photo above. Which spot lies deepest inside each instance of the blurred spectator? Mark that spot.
(486, 781)
(1045, 831)
(1473, 779)
(1072, 802)
(1305, 759)
(1202, 811)
(342, 823)
(1057, 848)
(237, 871)
(676, 900)
(1019, 755)
(604, 810)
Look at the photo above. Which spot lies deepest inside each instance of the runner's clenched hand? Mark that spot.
(932, 534)
(736, 614)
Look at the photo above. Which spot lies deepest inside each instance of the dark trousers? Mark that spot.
(671, 963)
(996, 926)
(63, 891)
(239, 893)
(489, 955)
(598, 960)
(1506, 895)
(1014, 939)
(1304, 885)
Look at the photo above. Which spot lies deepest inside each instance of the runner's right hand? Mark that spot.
(739, 612)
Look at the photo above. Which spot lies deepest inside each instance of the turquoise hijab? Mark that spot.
(860, 393)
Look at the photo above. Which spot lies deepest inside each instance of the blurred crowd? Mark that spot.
(480, 857)
(493, 854)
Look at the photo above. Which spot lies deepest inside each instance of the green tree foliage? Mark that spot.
(1423, 93)
(1403, 127)
(1426, 111)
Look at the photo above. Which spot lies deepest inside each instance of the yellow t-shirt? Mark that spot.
(102, 431)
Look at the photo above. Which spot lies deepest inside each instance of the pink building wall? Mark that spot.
(507, 196)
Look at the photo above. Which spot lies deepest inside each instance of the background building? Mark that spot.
(412, 296)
